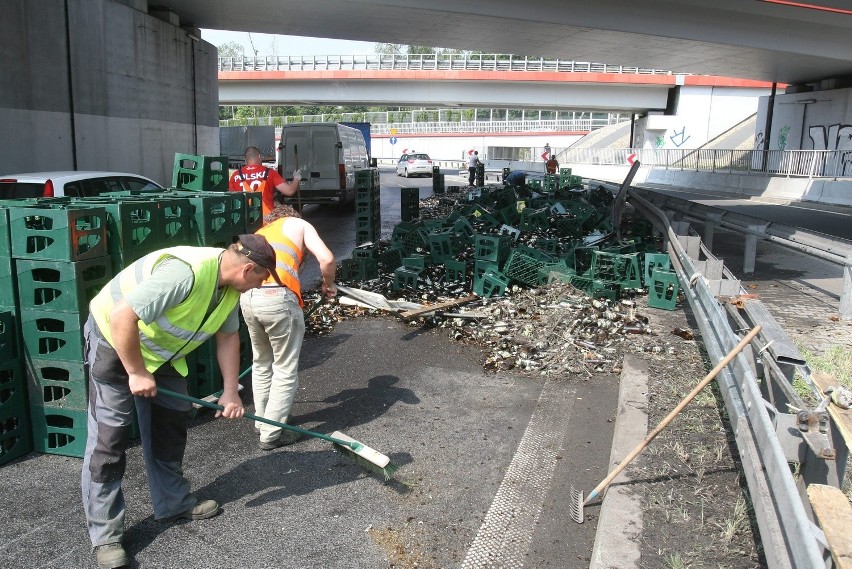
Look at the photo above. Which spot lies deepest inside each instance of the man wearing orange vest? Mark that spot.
(276, 324)
(255, 177)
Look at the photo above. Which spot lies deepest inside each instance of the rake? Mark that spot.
(577, 501)
(369, 458)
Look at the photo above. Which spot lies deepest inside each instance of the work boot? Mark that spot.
(200, 511)
(111, 556)
(285, 438)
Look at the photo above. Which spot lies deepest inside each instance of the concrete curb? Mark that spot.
(617, 541)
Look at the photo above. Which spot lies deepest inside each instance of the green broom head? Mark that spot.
(368, 458)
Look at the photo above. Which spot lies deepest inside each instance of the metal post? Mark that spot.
(750, 253)
(709, 229)
(846, 295)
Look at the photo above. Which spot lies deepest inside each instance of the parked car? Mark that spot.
(414, 164)
(70, 183)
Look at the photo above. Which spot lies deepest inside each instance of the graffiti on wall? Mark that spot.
(679, 138)
(835, 137)
(758, 140)
(782, 137)
(659, 142)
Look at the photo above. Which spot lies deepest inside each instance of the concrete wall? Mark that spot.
(702, 114)
(817, 120)
(115, 89)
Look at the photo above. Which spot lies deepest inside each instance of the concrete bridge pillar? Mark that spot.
(114, 88)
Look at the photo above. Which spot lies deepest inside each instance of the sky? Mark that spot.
(269, 44)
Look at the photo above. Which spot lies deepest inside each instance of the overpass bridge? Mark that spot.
(480, 80)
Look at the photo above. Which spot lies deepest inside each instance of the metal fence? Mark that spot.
(479, 127)
(428, 62)
(794, 163)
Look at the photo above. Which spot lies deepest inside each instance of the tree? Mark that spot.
(231, 49)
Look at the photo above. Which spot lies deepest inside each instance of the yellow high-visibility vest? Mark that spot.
(182, 328)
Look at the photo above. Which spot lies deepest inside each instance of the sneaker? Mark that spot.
(111, 556)
(285, 438)
(200, 511)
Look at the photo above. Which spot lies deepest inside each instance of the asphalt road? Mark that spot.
(486, 460)
(831, 221)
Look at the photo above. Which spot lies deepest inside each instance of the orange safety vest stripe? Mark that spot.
(288, 257)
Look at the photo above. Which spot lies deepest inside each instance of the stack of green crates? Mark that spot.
(368, 220)
(200, 173)
(409, 203)
(61, 261)
(15, 428)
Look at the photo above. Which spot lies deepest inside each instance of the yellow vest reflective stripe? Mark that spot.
(288, 256)
(182, 328)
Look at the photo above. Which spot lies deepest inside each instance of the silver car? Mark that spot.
(71, 183)
(414, 164)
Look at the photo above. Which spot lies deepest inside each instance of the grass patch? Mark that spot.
(837, 361)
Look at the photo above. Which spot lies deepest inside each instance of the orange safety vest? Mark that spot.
(288, 257)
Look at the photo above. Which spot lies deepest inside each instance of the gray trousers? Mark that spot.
(276, 326)
(162, 426)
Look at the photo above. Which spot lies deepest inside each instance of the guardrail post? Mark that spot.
(712, 219)
(846, 295)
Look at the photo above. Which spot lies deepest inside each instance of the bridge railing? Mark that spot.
(407, 128)
(792, 163)
(428, 62)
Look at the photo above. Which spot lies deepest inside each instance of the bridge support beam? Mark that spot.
(846, 295)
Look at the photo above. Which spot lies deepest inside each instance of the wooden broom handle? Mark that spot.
(664, 423)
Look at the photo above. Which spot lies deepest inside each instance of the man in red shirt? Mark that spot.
(255, 177)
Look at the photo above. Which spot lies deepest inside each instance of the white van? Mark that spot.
(328, 154)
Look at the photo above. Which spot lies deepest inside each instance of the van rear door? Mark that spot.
(325, 158)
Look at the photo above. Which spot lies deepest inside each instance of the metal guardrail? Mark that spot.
(427, 62)
(789, 538)
(479, 127)
(832, 249)
(791, 163)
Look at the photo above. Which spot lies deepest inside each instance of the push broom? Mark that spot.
(365, 456)
(577, 502)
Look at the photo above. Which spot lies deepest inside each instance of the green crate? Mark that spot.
(654, 261)
(481, 266)
(455, 271)
(16, 439)
(8, 285)
(176, 214)
(405, 278)
(65, 286)
(205, 377)
(57, 383)
(415, 242)
(612, 267)
(52, 335)
(253, 211)
(130, 223)
(13, 387)
(237, 210)
(59, 431)
(491, 248)
(364, 252)
(8, 336)
(523, 267)
(212, 222)
(391, 257)
(663, 289)
(62, 233)
(367, 235)
(200, 173)
(359, 269)
(440, 245)
(5, 236)
(491, 283)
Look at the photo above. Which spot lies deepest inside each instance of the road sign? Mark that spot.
(393, 131)
(392, 140)
(631, 159)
